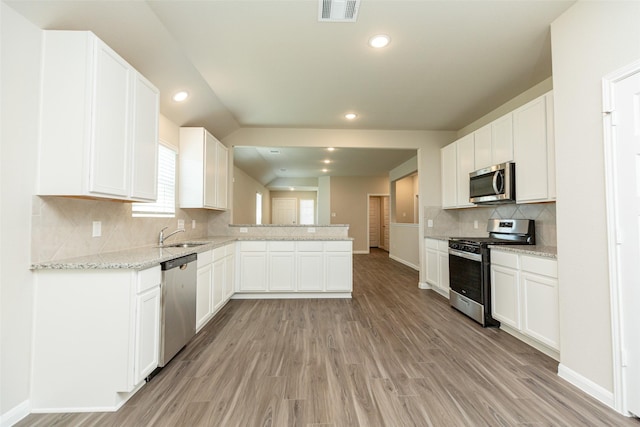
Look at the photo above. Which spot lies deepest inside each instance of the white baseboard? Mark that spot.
(15, 414)
(361, 252)
(407, 263)
(290, 295)
(424, 285)
(594, 390)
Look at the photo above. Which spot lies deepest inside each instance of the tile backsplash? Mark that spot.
(62, 227)
(460, 222)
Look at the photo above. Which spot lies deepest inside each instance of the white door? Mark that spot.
(374, 222)
(283, 211)
(626, 146)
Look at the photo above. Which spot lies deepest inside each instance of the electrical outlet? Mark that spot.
(430, 223)
(97, 229)
(193, 223)
(311, 230)
(181, 224)
(244, 230)
(333, 214)
(475, 224)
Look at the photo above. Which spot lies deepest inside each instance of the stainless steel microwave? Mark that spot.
(495, 184)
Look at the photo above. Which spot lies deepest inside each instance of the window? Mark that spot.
(258, 208)
(165, 205)
(307, 211)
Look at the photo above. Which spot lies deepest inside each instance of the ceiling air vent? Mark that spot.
(338, 10)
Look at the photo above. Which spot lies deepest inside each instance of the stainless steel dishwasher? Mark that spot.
(178, 314)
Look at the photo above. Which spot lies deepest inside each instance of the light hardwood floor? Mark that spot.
(394, 355)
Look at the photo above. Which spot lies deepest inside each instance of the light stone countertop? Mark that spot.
(445, 238)
(149, 256)
(288, 225)
(537, 250)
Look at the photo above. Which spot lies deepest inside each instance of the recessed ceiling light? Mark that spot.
(180, 96)
(381, 40)
(291, 188)
(330, 149)
(327, 161)
(350, 116)
(325, 170)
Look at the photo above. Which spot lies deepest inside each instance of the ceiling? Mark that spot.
(268, 63)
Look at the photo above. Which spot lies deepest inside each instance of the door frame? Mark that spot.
(369, 196)
(615, 286)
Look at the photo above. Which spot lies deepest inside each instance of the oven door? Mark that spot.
(465, 274)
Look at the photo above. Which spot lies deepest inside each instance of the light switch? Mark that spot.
(311, 230)
(333, 214)
(475, 224)
(244, 230)
(193, 223)
(429, 223)
(181, 224)
(97, 229)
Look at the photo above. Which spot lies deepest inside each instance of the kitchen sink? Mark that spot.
(183, 245)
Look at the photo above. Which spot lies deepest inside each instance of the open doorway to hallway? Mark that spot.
(379, 221)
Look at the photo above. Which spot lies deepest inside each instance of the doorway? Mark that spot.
(622, 156)
(378, 220)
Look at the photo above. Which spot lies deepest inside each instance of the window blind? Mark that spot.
(165, 205)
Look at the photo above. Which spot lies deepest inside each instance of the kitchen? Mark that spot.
(582, 40)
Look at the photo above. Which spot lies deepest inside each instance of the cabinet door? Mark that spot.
(217, 295)
(443, 271)
(505, 295)
(210, 147)
(203, 295)
(502, 139)
(448, 175)
(482, 148)
(339, 271)
(222, 160)
(540, 309)
(252, 272)
(110, 142)
(432, 264)
(144, 165)
(530, 151)
(465, 165)
(147, 333)
(229, 279)
(310, 271)
(282, 273)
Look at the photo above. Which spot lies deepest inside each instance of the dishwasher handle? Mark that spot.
(180, 262)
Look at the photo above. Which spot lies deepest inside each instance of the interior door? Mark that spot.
(374, 221)
(384, 240)
(626, 144)
(283, 210)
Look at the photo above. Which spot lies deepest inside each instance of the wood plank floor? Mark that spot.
(394, 355)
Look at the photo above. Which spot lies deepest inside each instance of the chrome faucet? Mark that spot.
(162, 237)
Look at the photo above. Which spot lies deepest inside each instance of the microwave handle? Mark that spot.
(496, 175)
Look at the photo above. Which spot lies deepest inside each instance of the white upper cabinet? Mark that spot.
(502, 140)
(99, 122)
(533, 151)
(457, 161)
(203, 170)
(448, 159)
(466, 165)
(482, 145)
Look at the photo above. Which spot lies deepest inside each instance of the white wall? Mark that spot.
(20, 86)
(404, 244)
(589, 40)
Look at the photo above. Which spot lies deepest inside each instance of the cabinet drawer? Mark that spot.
(431, 243)
(544, 266)
(337, 246)
(148, 278)
(253, 246)
(505, 259)
(282, 246)
(205, 258)
(310, 246)
(218, 253)
(443, 246)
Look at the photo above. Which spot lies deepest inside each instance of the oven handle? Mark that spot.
(467, 255)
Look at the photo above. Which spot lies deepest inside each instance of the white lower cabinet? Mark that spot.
(214, 283)
(525, 296)
(294, 267)
(437, 265)
(96, 336)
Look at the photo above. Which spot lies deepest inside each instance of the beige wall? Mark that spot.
(404, 203)
(244, 199)
(589, 41)
(349, 198)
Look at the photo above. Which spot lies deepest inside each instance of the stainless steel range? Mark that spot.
(469, 262)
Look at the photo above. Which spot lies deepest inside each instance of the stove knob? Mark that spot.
(455, 246)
